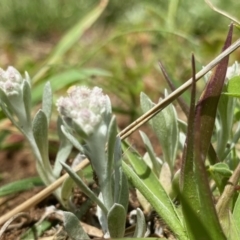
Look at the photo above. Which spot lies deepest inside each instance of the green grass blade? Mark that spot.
(189, 194)
(37, 230)
(208, 102)
(40, 132)
(205, 118)
(70, 38)
(20, 185)
(205, 115)
(233, 87)
(147, 183)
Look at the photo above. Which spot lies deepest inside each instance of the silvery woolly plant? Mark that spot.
(86, 122)
(15, 93)
(87, 115)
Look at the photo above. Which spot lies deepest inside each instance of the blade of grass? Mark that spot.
(171, 17)
(70, 38)
(225, 14)
(20, 185)
(189, 195)
(207, 212)
(145, 180)
(180, 100)
(207, 105)
(133, 31)
(37, 230)
(205, 115)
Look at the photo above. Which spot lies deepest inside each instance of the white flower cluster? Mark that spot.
(83, 106)
(10, 81)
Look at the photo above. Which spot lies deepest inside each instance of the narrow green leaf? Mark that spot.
(146, 104)
(4, 103)
(233, 87)
(27, 100)
(116, 221)
(120, 182)
(117, 169)
(20, 185)
(205, 119)
(124, 191)
(141, 228)
(146, 182)
(223, 13)
(207, 212)
(73, 227)
(40, 132)
(204, 123)
(47, 101)
(165, 177)
(111, 146)
(156, 165)
(72, 139)
(221, 168)
(84, 187)
(36, 231)
(220, 173)
(208, 102)
(166, 128)
(8, 110)
(189, 194)
(67, 190)
(65, 148)
(226, 108)
(148, 189)
(71, 37)
(180, 100)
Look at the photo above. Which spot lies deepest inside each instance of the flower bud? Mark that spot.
(83, 107)
(10, 81)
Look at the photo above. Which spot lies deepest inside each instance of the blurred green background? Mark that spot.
(69, 42)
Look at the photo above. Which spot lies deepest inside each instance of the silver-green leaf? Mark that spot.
(116, 221)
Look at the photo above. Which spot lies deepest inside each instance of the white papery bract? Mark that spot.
(15, 96)
(83, 106)
(11, 81)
